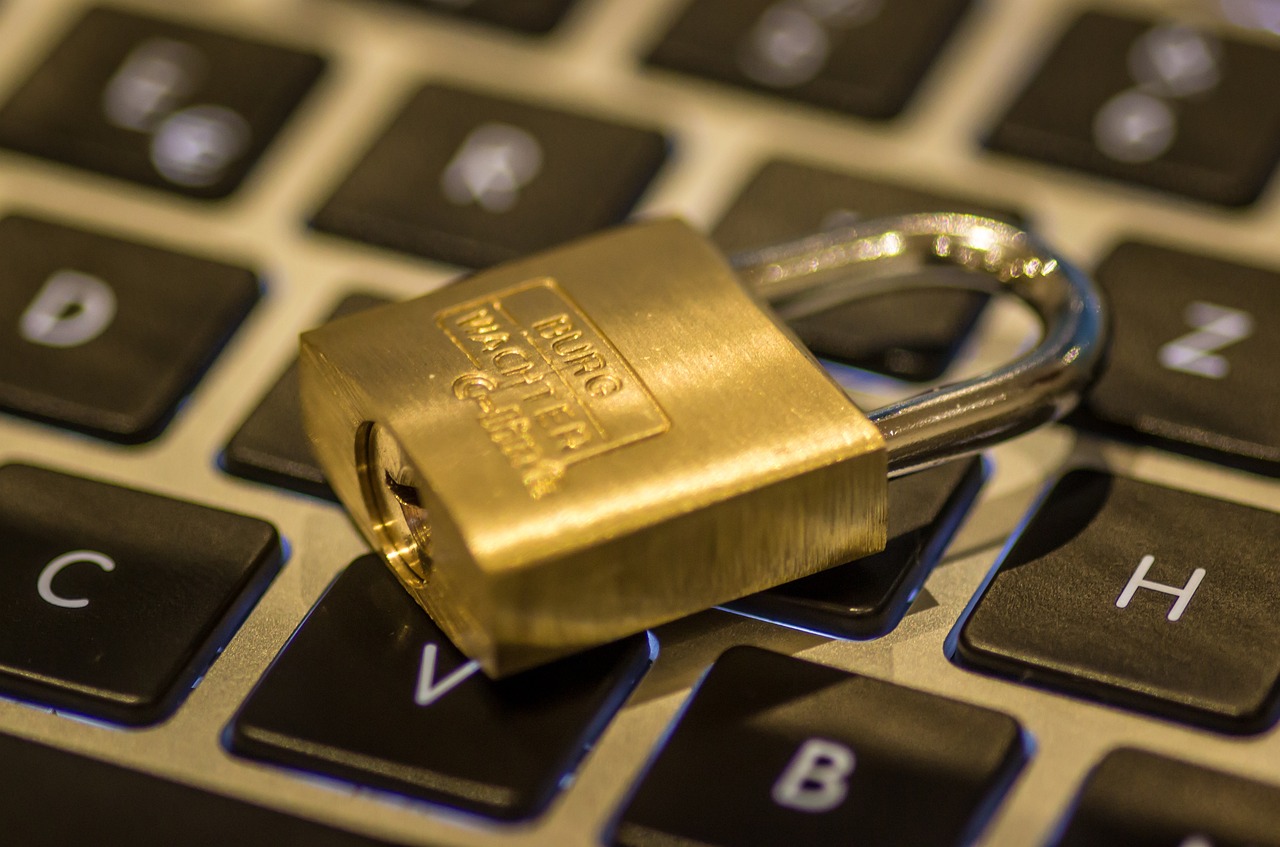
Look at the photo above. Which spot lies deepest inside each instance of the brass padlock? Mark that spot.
(577, 446)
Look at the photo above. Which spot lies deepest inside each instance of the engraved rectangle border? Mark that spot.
(494, 299)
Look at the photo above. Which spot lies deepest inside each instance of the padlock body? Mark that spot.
(589, 442)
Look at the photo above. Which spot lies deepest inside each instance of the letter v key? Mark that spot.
(429, 690)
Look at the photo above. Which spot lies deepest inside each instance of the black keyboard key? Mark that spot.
(113, 601)
(158, 103)
(864, 58)
(911, 335)
(52, 798)
(471, 179)
(532, 16)
(104, 335)
(1142, 596)
(867, 598)
(369, 690)
(772, 750)
(787, 200)
(271, 446)
(1153, 103)
(1138, 799)
(1192, 364)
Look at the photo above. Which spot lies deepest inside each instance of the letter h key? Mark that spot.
(573, 447)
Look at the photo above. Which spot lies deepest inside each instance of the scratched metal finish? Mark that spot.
(574, 502)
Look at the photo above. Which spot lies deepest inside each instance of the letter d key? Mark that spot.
(573, 447)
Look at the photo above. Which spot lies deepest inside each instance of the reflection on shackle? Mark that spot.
(967, 251)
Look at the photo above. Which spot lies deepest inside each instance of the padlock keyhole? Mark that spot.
(395, 504)
(406, 495)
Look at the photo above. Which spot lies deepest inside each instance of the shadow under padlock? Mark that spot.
(583, 444)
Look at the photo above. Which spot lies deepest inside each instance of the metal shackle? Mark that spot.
(1040, 386)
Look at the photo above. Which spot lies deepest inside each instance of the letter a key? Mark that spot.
(576, 446)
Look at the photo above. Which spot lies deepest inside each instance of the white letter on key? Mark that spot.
(1139, 580)
(816, 779)
(70, 309)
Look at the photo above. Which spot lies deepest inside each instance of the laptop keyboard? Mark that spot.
(106, 342)
(1184, 563)
(472, 179)
(139, 98)
(1157, 104)
(1192, 356)
(138, 593)
(828, 752)
(406, 712)
(863, 57)
(1069, 640)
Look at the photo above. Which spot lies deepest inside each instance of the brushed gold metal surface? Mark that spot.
(574, 447)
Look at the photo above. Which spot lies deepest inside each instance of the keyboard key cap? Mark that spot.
(1138, 799)
(867, 598)
(157, 103)
(105, 335)
(113, 601)
(1192, 364)
(786, 200)
(772, 750)
(51, 798)
(864, 58)
(532, 16)
(271, 445)
(1138, 595)
(474, 180)
(405, 711)
(1153, 103)
(911, 335)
